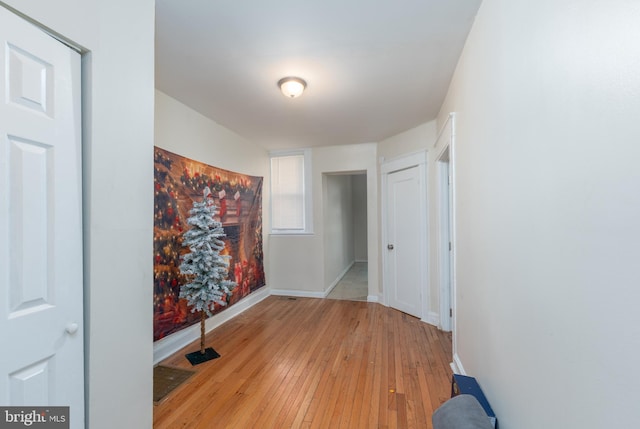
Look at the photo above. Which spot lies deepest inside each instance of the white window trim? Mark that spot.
(308, 193)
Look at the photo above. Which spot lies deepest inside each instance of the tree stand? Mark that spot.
(203, 355)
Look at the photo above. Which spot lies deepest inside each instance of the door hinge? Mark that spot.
(451, 312)
(449, 246)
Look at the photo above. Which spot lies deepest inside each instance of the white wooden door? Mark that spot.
(41, 284)
(403, 247)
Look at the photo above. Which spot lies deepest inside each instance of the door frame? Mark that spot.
(447, 138)
(419, 160)
(443, 208)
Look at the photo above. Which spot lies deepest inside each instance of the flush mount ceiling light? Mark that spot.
(292, 87)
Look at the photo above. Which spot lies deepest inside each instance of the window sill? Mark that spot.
(287, 233)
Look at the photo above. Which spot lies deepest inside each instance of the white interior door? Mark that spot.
(41, 284)
(404, 253)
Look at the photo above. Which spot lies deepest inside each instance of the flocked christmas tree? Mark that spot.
(206, 269)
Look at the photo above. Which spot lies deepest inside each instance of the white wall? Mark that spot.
(182, 130)
(338, 227)
(359, 187)
(118, 96)
(407, 142)
(297, 262)
(547, 97)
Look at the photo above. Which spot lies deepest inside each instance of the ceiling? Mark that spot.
(373, 68)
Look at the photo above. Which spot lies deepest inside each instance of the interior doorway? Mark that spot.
(446, 224)
(345, 235)
(444, 239)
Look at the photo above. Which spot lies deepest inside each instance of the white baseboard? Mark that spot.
(373, 298)
(432, 318)
(456, 365)
(298, 293)
(309, 294)
(167, 346)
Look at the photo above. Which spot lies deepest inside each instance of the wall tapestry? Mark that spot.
(178, 181)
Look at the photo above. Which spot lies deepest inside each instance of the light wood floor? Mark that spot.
(314, 363)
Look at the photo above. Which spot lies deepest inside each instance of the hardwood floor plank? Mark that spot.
(313, 363)
(374, 408)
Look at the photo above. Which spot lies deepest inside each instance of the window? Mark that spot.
(290, 198)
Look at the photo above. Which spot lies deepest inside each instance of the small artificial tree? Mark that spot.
(206, 269)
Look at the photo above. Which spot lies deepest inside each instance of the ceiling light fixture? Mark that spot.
(292, 87)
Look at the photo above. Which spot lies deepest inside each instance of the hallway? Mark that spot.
(353, 286)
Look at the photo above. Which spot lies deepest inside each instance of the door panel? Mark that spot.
(403, 236)
(28, 225)
(31, 384)
(30, 80)
(41, 285)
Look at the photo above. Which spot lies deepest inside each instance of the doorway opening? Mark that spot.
(444, 239)
(446, 224)
(345, 235)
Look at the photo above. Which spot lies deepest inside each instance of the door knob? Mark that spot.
(390, 246)
(71, 328)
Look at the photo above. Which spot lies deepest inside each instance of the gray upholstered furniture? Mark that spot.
(461, 412)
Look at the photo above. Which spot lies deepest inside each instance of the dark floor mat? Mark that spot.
(165, 379)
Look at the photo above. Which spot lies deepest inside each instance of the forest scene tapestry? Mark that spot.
(178, 181)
